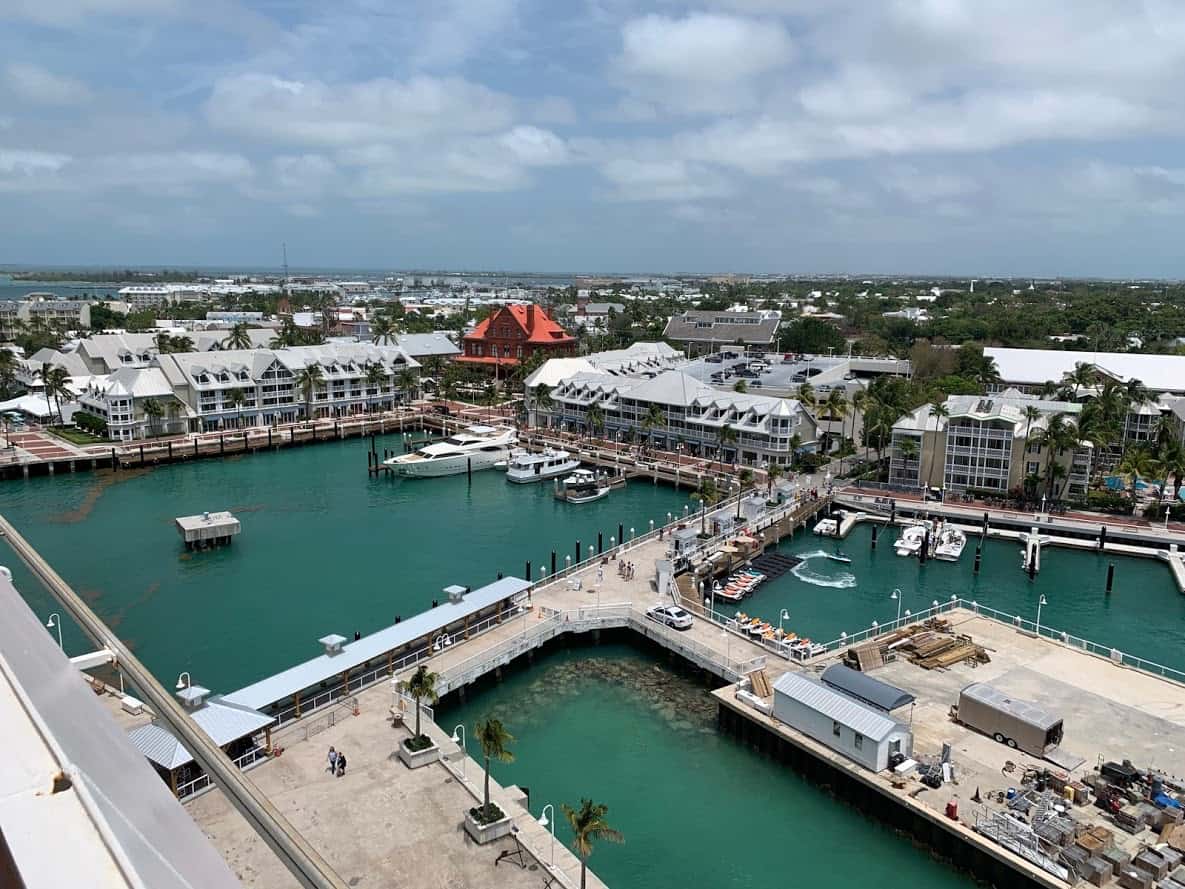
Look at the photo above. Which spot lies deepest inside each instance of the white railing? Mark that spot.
(377, 674)
(202, 782)
(1021, 624)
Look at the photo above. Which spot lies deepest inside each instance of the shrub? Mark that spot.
(418, 743)
(90, 423)
(484, 815)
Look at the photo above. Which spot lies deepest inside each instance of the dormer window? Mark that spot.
(203, 378)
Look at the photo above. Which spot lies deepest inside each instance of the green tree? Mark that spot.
(238, 338)
(835, 407)
(422, 687)
(383, 330)
(908, 449)
(405, 381)
(654, 418)
(495, 741)
(588, 827)
(237, 399)
(543, 401)
(308, 380)
(153, 411)
(725, 435)
(375, 376)
(596, 419)
(740, 386)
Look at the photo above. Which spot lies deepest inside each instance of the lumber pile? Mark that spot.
(761, 684)
(937, 650)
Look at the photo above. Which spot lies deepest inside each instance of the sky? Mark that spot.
(784, 136)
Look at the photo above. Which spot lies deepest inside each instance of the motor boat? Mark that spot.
(827, 527)
(503, 465)
(911, 540)
(583, 486)
(951, 542)
(477, 447)
(526, 467)
(839, 557)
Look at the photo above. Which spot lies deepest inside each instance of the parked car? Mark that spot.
(714, 359)
(671, 616)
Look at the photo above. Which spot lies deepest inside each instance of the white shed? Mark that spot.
(862, 733)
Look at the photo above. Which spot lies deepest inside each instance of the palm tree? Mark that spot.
(180, 344)
(308, 380)
(543, 401)
(238, 338)
(938, 412)
(375, 376)
(8, 366)
(494, 739)
(588, 825)
(725, 435)
(55, 381)
(596, 419)
(908, 449)
(1055, 437)
(421, 686)
(383, 330)
(835, 406)
(164, 343)
(1030, 413)
(771, 475)
(1048, 389)
(237, 398)
(405, 380)
(153, 411)
(806, 394)
(1081, 377)
(795, 445)
(860, 400)
(654, 418)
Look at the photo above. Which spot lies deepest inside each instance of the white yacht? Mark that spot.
(827, 527)
(478, 447)
(911, 540)
(526, 467)
(951, 542)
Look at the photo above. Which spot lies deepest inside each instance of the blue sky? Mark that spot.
(928, 136)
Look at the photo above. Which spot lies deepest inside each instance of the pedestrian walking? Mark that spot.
(341, 764)
(600, 576)
(332, 760)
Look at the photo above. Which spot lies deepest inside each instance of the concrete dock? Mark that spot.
(207, 529)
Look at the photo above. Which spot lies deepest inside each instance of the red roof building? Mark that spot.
(513, 333)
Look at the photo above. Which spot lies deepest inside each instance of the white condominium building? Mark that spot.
(987, 444)
(687, 413)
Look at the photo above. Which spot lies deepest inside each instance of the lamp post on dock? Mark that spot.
(459, 738)
(55, 623)
(785, 615)
(1040, 602)
(898, 596)
(183, 681)
(544, 822)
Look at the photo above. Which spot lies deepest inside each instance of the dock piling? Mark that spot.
(600, 543)
(620, 533)
(983, 535)
(1102, 537)
(1110, 576)
(874, 530)
(577, 552)
(978, 557)
(553, 561)
(528, 574)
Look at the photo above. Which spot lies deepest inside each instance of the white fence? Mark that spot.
(203, 782)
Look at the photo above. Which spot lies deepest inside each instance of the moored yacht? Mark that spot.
(951, 542)
(584, 486)
(911, 540)
(477, 447)
(528, 467)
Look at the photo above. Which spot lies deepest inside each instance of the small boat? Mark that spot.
(911, 540)
(583, 486)
(839, 557)
(827, 527)
(502, 465)
(951, 542)
(525, 467)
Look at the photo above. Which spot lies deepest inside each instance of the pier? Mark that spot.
(208, 529)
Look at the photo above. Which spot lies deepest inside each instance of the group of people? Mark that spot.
(625, 569)
(337, 762)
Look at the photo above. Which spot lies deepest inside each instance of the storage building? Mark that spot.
(865, 688)
(864, 734)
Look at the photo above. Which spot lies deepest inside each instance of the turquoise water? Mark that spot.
(324, 548)
(696, 807)
(1144, 615)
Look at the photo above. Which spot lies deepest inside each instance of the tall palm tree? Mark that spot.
(589, 826)
(835, 407)
(308, 380)
(596, 419)
(164, 343)
(543, 401)
(237, 399)
(8, 365)
(238, 338)
(153, 411)
(405, 381)
(55, 381)
(1081, 377)
(908, 448)
(180, 344)
(494, 740)
(1030, 413)
(725, 435)
(806, 394)
(1055, 437)
(422, 687)
(938, 412)
(653, 419)
(860, 400)
(771, 475)
(383, 330)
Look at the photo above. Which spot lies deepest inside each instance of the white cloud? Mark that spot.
(535, 147)
(61, 13)
(458, 29)
(378, 110)
(37, 85)
(30, 164)
(662, 180)
(701, 63)
(928, 186)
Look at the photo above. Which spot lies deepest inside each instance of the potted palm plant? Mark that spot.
(419, 749)
(487, 822)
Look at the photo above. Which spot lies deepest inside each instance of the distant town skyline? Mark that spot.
(753, 136)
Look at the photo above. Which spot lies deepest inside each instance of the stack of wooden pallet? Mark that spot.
(932, 650)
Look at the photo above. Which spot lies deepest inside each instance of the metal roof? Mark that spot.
(224, 721)
(296, 679)
(868, 721)
(1026, 711)
(865, 688)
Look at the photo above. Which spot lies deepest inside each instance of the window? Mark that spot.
(859, 739)
(835, 728)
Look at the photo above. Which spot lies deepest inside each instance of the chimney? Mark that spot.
(193, 696)
(530, 319)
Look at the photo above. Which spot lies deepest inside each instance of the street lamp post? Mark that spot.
(1167, 512)
(459, 738)
(785, 615)
(55, 623)
(549, 823)
(183, 680)
(899, 597)
(1040, 602)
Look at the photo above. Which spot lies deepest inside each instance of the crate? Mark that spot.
(1135, 879)
(1118, 859)
(1092, 845)
(1095, 871)
(1151, 863)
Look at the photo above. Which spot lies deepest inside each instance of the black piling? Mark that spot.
(924, 553)
(874, 530)
(222, 444)
(170, 450)
(114, 461)
(620, 533)
(469, 469)
(577, 561)
(1102, 537)
(892, 512)
(528, 574)
(600, 543)
(141, 455)
(195, 450)
(1110, 576)
(1033, 562)
(986, 524)
(978, 558)
(553, 561)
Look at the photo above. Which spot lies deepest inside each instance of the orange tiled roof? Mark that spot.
(540, 328)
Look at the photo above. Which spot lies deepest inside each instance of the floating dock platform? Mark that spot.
(207, 529)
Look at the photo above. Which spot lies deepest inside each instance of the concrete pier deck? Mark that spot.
(1109, 711)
